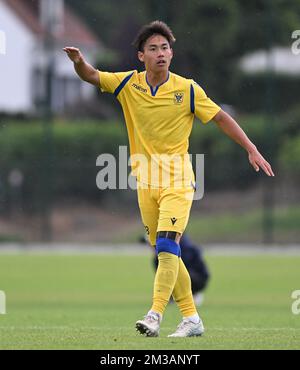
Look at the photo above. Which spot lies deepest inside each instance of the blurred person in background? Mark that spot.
(159, 108)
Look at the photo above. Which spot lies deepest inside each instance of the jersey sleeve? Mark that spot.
(204, 108)
(110, 81)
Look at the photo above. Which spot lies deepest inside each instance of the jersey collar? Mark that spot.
(155, 89)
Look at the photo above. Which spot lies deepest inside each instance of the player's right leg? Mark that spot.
(168, 252)
(175, 205)
(150, 324)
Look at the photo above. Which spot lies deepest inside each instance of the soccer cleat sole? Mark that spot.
(144, 330)
(188, 336)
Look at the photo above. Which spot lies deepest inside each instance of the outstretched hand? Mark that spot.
(84, 70)
(258, 161)
(74, 54)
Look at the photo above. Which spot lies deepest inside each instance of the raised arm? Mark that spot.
(84, 70)
(231, 128)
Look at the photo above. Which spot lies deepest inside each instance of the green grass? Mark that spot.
(247, 226)
(93, 301)
(218, 227)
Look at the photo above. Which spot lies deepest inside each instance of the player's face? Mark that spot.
(157, 54)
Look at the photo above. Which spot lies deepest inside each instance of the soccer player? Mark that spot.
(159, 108)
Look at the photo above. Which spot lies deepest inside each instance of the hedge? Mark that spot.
(64, 155)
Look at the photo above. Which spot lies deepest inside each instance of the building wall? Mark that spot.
(15, 64)
(22, 70)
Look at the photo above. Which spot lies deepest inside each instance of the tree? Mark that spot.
(211, 34)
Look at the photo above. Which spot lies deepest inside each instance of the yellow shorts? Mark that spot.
(164, 209)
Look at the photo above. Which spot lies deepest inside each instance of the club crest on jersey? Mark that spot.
(178, 97)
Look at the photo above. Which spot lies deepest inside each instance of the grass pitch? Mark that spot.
(93, 301)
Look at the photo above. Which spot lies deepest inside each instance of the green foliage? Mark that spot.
(289, 151)
(247, 226)
(290, 156)
(290, 120)
(211, 36)
(253, 91)
(226, 163)
(68, 156)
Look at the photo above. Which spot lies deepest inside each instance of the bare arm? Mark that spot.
(84, 70)
(231, 128)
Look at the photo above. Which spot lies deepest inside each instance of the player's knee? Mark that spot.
(168, 245)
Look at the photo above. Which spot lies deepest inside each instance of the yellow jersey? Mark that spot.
(159, 122)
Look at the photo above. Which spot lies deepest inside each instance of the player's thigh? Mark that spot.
(174, 209)
(149, 210)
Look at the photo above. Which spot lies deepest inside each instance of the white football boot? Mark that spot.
(149, 326)
(187, 328)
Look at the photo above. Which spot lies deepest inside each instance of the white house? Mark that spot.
(281, 60)
(23, 57)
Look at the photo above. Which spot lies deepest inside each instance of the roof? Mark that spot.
(280, 60)
(74, 30)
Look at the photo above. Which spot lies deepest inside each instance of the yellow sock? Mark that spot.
(182, 292)
(165, 278)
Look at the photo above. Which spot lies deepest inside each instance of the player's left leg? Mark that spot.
(191, 324)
